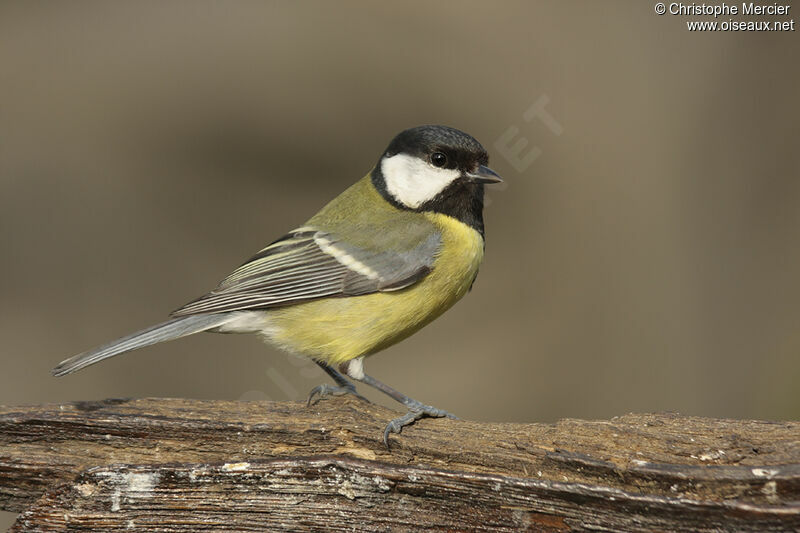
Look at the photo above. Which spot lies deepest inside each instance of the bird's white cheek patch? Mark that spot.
(412, 181)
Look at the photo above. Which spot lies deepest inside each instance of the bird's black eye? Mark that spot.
(438, 159)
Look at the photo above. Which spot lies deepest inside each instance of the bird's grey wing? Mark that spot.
(309, 264)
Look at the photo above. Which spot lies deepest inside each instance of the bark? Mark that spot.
(188, 465)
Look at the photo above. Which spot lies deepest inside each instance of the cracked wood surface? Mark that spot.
(184, 465)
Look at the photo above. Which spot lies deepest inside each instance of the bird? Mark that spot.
(387, 256)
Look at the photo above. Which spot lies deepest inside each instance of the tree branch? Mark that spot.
(182, 465)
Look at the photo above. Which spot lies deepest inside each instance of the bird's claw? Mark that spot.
(321, 391)
(416, 411)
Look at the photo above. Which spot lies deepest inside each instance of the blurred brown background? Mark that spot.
(647, 259)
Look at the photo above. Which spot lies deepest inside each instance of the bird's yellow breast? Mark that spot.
(335, 330)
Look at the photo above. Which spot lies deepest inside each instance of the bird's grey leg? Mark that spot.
(416, 410)
(342, 386)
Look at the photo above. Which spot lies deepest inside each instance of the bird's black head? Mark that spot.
(436, 168)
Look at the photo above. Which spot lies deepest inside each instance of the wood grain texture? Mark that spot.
(188, 465)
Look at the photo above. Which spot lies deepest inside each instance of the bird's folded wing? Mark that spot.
(308, 264)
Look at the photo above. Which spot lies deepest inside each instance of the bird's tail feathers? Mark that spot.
(166, 331)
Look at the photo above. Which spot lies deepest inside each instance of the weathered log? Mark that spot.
(187, 465)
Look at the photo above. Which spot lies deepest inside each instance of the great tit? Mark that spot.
(379, 262)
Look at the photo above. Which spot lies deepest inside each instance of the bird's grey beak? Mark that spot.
(484, 175)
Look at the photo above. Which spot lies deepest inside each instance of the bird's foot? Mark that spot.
(321, 391)
(416, 410)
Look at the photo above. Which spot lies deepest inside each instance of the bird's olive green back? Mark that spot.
(358, 244)
(366, 220)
